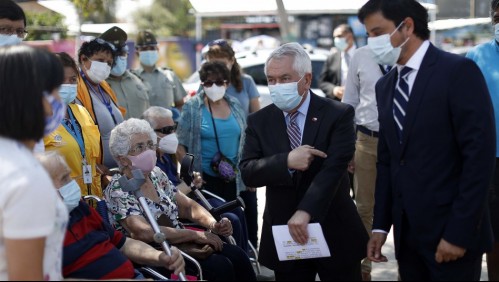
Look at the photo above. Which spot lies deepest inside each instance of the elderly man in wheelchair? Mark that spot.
(133, 146)
(92, 248)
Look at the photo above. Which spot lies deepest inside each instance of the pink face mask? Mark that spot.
(145, 161)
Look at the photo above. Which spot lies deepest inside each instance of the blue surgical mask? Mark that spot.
(341, 43)
(71, 195)
(497, 32)
(120, 66)
(67, 92)
(383, 51)
(58, 111)
(149, 58)
(285, 95)
(12, 39)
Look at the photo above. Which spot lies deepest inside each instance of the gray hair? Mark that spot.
(50, 160)
(152, 114)
(301, 64)
(121, 136)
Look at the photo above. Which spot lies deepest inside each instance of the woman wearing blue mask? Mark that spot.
(32, 216)
(77, 138)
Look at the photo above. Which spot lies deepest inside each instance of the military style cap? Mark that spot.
(145, 38)
(115, 36)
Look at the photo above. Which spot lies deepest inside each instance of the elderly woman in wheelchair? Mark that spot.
(92, 248)
(133, 146)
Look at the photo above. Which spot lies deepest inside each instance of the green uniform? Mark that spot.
(132, 94)
(165, 87)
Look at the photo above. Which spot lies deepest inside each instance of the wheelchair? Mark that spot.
(155, 273)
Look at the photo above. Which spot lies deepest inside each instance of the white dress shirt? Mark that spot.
(344, 65)
(414, 63)
(360, 93)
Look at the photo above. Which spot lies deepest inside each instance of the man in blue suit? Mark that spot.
(436, 149)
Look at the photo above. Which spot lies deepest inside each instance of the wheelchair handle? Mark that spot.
(228, 206)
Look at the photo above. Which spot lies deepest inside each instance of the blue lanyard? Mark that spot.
(102, 98)
(75, 132)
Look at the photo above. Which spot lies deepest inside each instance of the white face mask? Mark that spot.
(169, 143)
(497, 32)
(215, 92)
(71, 195)
(341, 43)
(149, 58)
(98, 71)
(12, 39)
(384, 52)
(285, 95)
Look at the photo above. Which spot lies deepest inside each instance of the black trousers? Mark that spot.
(251, 213)
(225, 190)
(417, 263)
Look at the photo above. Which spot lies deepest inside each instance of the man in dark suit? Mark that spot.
(332, 79)
(435, 152)
(299, 148)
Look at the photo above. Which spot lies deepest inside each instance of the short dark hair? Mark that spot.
(67, 61)
(92, 47)
(216, 68)
(10, 10)
(396, 11)
(25, 74)
(494, 5)
(345, 27)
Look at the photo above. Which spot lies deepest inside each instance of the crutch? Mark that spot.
(133, 186)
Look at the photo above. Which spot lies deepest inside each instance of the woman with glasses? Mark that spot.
(244, 89)
(133, 145)
(96, 58)
(77, 138)
(211, 127)
(33, 218)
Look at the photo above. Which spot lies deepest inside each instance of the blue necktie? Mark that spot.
(401, 100)
(294, 132)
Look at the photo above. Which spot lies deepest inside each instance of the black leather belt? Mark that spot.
(366, 131)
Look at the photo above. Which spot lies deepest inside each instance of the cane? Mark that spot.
(133, 186)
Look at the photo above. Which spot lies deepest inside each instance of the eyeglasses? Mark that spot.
(141, 147)
(210, 83)
(167, 129)
(104, 42)
(220, 42)
(7, 30)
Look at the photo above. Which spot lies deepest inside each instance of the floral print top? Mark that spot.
(122, 204)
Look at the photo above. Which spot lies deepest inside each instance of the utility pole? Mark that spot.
(472, 8)
(283, 21)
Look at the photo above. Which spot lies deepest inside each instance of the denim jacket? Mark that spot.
(189, 129)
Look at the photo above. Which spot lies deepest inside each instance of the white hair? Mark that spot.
(152, 114)
(50, 161)
(121, 136)
(301, 64)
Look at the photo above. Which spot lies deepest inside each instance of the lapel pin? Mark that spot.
(314, 119)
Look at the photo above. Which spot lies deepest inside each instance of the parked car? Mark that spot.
(253, 63)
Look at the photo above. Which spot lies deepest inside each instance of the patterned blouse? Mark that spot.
(122, 204)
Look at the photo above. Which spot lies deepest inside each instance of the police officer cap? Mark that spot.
(115, 36)
(145, 38)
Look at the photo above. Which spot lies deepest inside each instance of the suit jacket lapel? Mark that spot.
(390, 129)
(279, 129)
(312, 121)
(418, 91)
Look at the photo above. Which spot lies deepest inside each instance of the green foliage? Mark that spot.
(167, 18)
(41, 26)
(97, 11)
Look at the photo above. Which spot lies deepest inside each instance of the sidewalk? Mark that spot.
(381, 271)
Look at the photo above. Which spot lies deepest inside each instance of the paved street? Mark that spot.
(381, 272)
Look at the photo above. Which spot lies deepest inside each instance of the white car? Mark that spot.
(253, 63)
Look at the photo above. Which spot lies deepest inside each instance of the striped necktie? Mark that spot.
(401, 100)
(294, 132)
